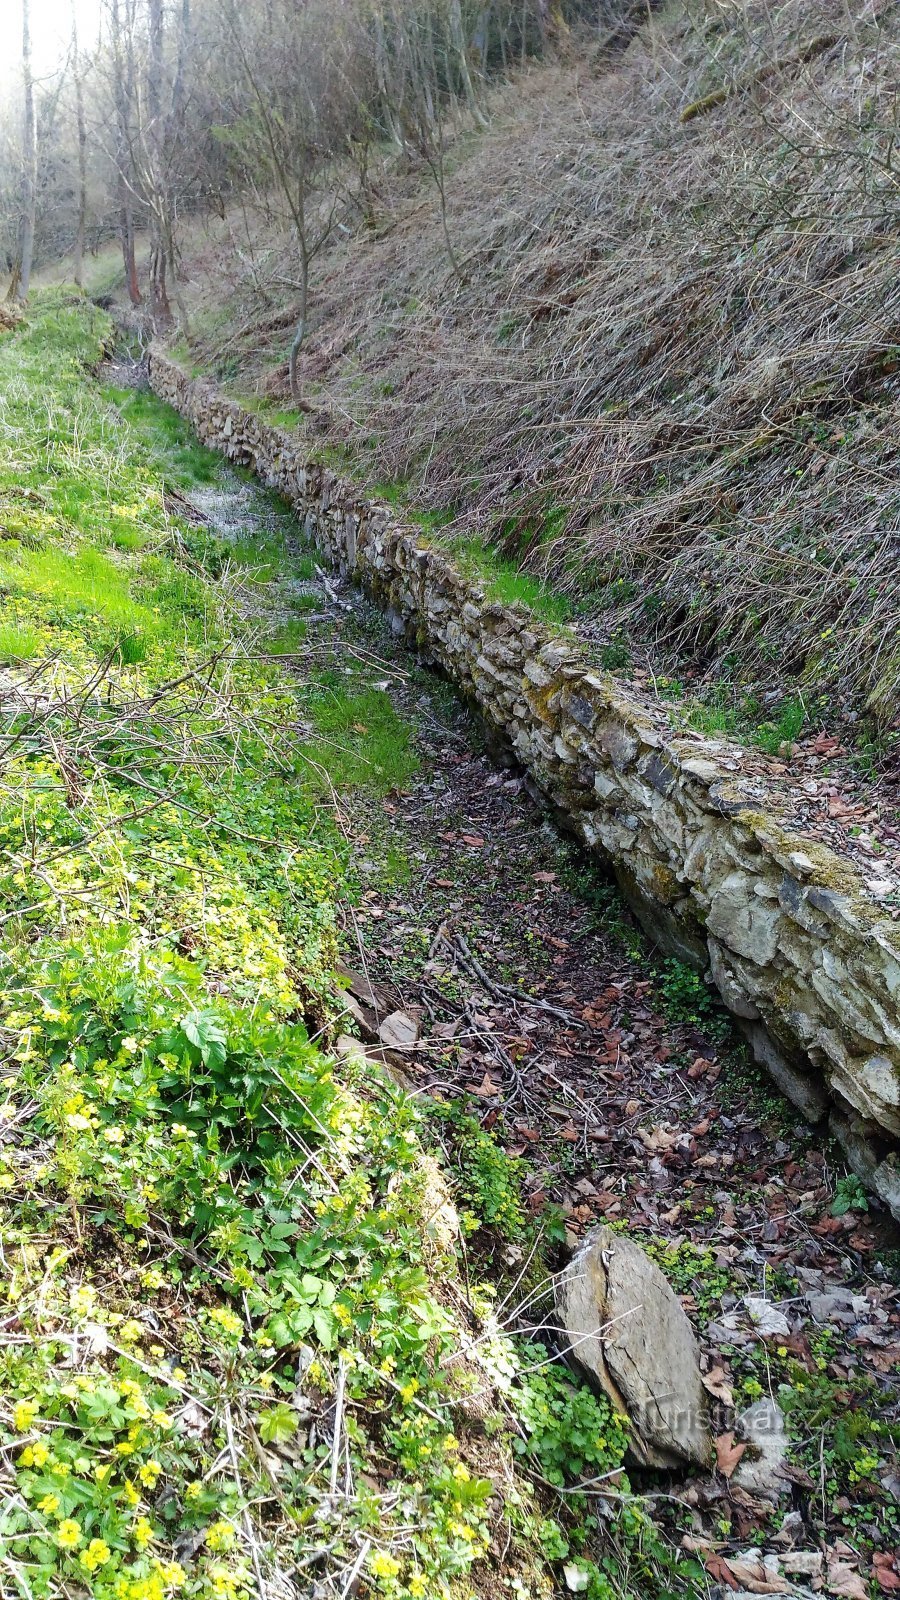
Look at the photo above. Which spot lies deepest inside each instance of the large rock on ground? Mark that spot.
(759, 1471)
(628, 1333)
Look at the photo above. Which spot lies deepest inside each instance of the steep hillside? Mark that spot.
(664, 372)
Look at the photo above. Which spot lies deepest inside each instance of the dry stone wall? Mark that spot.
(803, 959)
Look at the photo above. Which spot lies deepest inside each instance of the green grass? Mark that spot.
(187, 462)
(18, 644)
(503, 580)
(725, 712)
(360, 740)
(63, 585)
(783, 729)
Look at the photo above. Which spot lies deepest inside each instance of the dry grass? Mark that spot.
(668, 375)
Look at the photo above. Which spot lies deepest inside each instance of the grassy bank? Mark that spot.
(237, 1356)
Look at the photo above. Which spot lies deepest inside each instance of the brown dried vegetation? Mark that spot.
(666, 374)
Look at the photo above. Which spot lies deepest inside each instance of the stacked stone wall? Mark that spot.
(806, 962)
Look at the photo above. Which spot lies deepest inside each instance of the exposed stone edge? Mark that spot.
(780, 924)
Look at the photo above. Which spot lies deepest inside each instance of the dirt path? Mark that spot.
(615, 1082)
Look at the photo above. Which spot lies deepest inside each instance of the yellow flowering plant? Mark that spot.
(216, 1224)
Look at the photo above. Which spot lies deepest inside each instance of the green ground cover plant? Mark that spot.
(232, 1333)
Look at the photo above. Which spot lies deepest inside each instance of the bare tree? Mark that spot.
(21, 272)
(121, 29)
(285, 141)
(155, 178)
(81, 139)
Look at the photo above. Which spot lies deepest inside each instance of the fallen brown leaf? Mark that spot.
(716, 1383)
(728, 1452)
(751, 1574)
(719, 1570)
(842, 1579)
(698, 1067)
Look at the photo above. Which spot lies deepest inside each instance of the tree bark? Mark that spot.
(82, 156)
(160, 309)
(461, 48)
(21, 274)
(123, 80)
(300, 331)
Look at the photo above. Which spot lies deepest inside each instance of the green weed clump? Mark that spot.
(686, 998)
(488, 1181)
(505, 580)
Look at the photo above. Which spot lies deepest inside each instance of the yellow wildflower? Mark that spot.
(68, 1534)
(149, 1473)
(384, 1566)
(96, 1555)
(132, 1495)
(226, 1586)
(143, 1532)
(49, 1505)
(172, 1574)
(462, 1530)
(227, 1321)
(83, 1300)
(24, 1413)
(220, 1535)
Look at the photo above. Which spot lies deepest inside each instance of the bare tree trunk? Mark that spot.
(386, 89)
(300, 331)
(123, 76)
(174, 134)
(82, 155)
(160, 309)
(460, 46)
(126, 232)
(21, 274)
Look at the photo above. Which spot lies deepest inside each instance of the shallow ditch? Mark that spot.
(605, 1073)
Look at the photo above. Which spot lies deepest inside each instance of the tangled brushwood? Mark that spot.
(664, 377)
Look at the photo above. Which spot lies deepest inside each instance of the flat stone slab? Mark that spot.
(628, 1333)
